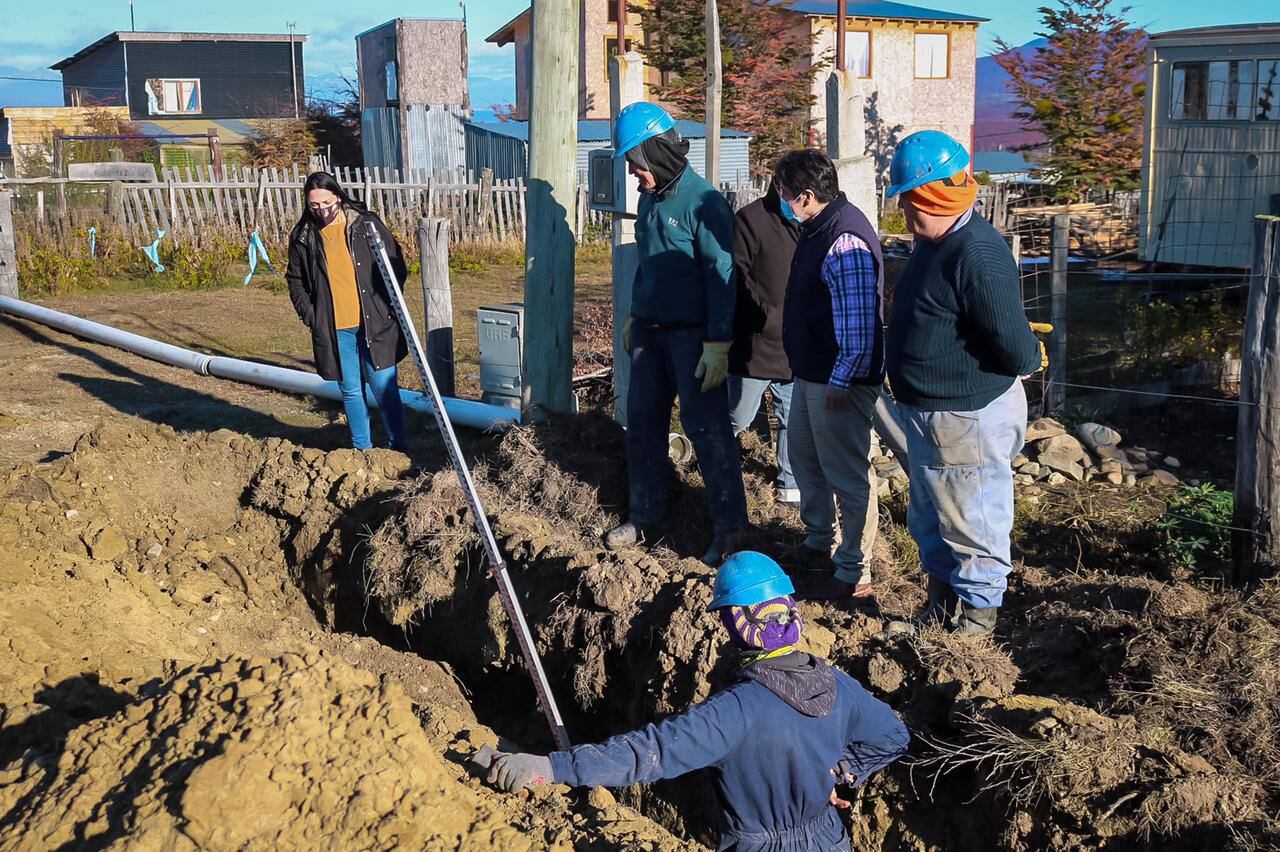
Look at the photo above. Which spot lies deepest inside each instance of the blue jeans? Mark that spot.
(745, 395)
(662, 364)
(357, 368)
(961, 510)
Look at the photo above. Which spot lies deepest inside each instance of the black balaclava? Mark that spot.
(665, 156)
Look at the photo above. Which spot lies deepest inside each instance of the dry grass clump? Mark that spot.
(413, 564)
(1215, 680)
(566, 470)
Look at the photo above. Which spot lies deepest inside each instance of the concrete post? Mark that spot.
(847, 142)
(550, 244)
(626, 86)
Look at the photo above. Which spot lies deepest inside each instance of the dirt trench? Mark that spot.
(203, 625)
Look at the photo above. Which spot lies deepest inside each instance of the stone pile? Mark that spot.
(1093, 454)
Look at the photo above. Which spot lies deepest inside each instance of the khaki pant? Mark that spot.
(831, 459)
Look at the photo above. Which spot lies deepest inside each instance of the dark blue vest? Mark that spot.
(808, 328)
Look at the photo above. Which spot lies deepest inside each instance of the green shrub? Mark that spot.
(1195, 528)
(46, 270)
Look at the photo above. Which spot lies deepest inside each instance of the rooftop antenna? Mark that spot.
(132, 26)
(463, 4)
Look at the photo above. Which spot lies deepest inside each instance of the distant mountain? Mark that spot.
(995, 128)
(27, 92)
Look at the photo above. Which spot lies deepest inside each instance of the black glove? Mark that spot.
(512, 772)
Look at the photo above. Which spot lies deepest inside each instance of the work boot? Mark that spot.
(716, 550)
(973, 620)
(941, 603)
(626, 534)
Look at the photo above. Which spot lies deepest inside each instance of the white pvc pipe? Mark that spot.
(476, 415)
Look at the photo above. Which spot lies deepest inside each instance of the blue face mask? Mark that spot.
(787, 212)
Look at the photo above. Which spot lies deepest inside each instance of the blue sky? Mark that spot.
(54, 29)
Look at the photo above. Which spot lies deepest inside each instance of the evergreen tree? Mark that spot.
(1083, 91)
(768, 84)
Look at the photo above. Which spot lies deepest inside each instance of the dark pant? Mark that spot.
(662, 366)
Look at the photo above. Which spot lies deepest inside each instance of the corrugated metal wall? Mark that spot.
(380, 138)
(436, 138)
(735, 157)
(506, 155)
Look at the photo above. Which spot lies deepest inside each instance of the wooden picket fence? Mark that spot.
(241, 200)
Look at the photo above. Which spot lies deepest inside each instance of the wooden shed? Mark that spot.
(1211, 156)
(504, 147)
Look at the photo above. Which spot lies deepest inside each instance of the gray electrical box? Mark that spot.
(607, 184)
(501, 332)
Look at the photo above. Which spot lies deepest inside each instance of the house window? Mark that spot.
(393, 82)
(1267, 101)
(1212, 91)
(173, 97)
(932, 55)
(857, 52)
(610, 51)
(613, 10)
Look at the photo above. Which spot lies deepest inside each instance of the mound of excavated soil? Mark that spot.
(163, 597)
(268, 754)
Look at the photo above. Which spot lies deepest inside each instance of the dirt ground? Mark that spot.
(224, 630)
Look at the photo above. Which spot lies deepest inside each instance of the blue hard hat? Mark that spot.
(637, 122)
(747, 578)
(923, 157)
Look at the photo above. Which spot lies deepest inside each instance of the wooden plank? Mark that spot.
(1256, 539)
(8, 248)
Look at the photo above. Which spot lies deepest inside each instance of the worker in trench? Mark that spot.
(958, 344)
(679, 331)
(777, 741)
(340, 297)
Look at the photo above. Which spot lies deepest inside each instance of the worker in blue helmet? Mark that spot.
(957, 346)
(679, 331)
(777, 740)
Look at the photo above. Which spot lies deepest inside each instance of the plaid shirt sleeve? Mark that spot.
(849, 271)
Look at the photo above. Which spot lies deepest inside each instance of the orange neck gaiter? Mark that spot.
(950, 197)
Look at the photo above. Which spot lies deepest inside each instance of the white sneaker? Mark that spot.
(790, 496)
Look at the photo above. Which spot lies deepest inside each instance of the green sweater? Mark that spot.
(958, 336)
(685, 243)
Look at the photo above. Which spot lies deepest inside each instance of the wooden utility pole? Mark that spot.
(1055, 390)
(553, 195)
(8, 248)
(1256, 540)
(437, 298)
(840, 29)
(715, 84)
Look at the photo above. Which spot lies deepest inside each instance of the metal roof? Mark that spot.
(878, 9)
(882, 9)
(124, 35)
(598, 130)
(1230, 33)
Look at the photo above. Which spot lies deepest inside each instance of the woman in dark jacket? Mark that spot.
(339, 294)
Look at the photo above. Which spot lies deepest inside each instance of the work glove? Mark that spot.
(514, 772)
(1042, 328)
(626, 335)
(713, 366)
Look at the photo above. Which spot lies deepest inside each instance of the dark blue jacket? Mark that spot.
(772, 741)
(684, 237)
